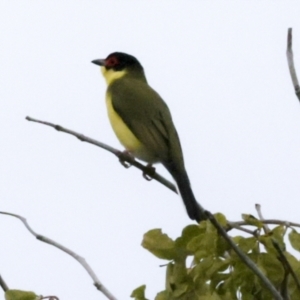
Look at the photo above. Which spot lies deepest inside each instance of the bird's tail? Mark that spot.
(183, 183)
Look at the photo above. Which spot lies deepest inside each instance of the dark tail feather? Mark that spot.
(192, 206)
(189, 200)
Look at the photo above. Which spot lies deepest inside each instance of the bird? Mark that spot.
(143, 123)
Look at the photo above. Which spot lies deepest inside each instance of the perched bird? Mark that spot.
(142, 122)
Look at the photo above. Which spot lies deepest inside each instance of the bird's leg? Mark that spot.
(149, 172)
(123, 157)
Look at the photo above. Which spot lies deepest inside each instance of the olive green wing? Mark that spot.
(146, 115)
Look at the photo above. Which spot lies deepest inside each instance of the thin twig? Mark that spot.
(267, 221)
(252, 266)
(80, 259)
(3, 284)
(121, 155)
(261, 218)
(286, 262)
(232, 225)
(290, 59)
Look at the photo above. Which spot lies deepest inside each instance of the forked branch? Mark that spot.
(80, 259)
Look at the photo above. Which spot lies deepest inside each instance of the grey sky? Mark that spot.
(220, 66)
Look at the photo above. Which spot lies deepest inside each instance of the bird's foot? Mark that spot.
(124, 157)
(149, 172)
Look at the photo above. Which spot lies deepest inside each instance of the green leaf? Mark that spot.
(247, 244)
(169, 274)
(181, 243)
(205, 244)
(237, 238)
(217, 281)
(251, 220)
(200, 271)
(266, 240)
(20, 295)
(159, 244)
(177, 273)
(221, 219)
(214, 296)
(294, 238)
(188, 233)
(219, 265)
(178, 282)
(242, 277)
(272, 267)
(292, 286)
(139, 293)
(162, 296)
(222, 246)
(180, 290)
(278, 234)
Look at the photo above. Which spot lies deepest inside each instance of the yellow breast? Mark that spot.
(123, 133)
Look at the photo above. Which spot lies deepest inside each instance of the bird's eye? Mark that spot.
(112, 62)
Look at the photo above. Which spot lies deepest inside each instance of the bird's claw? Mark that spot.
(149, 172)
(123, 158)
(125, 164)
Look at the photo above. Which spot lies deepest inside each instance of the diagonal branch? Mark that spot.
(290, 59)
(244, 258)
(80, 259)
(121, 155)
(286, 263)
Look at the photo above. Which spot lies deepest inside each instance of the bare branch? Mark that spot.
(80, 259)
(3, 284)
(233, 225)
(261, 218)
(121, 155)
(244, 258)
(290, 59)
(267, 221)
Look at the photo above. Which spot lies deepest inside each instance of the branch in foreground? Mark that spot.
(121, 155)
(252, 266)
(282, 257)
(290, 59)
(80, 259)
(286, 263)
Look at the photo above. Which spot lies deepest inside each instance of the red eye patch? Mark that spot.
(111, 62)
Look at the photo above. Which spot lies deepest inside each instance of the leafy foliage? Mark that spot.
(20, 295)
(217, 273)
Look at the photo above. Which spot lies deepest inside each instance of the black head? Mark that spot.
(119, 61)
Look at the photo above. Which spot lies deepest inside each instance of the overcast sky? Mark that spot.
(221, 68)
